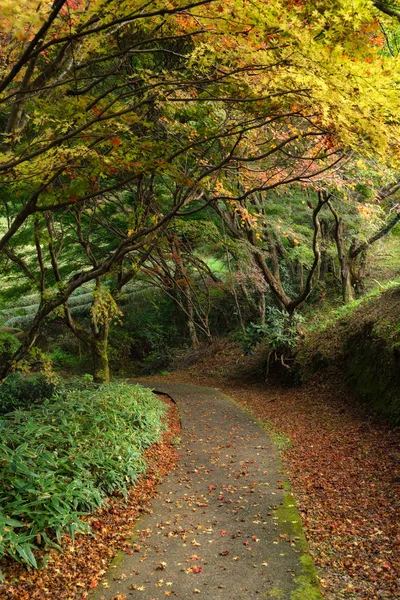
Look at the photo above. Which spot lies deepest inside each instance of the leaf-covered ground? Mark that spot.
(344, 467)
(77, 570)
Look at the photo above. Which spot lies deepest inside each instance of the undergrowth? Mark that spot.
(59, 460)
(19, 392)
(326, 319)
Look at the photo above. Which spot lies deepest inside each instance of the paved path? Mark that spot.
(222, 526)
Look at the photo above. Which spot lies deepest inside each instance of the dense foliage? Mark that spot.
(19, 392)
(60, 460)
(125, 128)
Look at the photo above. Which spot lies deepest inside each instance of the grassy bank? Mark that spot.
(362, 339)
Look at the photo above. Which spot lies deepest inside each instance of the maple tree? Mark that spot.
(187, 97)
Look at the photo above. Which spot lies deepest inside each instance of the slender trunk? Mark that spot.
(324, 250)
(262, 308)
(345, 273)
(194, 340)
(301, 279)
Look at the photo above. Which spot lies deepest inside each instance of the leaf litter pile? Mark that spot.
(344, 467)
(72, 574)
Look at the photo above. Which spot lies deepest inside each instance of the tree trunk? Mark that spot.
(345, 272)
(194, 340)
(324, 250)
(358, 271)
(262, 308)
(101, 370)
(347, 288)
(301, 278)
(97, 342)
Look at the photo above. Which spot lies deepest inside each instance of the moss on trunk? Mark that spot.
(101, 370)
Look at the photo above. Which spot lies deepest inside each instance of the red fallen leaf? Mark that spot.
(93, 583)
(224, 553)
(223, 532)
(196, 569)
(386, 566)
(96, 524)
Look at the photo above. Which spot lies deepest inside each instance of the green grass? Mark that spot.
(61, 459)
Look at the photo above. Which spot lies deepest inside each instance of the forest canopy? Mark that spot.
(247, 146)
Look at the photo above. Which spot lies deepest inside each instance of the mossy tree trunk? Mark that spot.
(101, 369)
(96, 341)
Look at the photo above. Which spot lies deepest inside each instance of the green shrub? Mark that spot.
(62, 359)
(20, 392)
(59, 460)
(8, 344)
(279, 331)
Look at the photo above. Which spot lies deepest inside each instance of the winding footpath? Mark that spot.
(223, 525)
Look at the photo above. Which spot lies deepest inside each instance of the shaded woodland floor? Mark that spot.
(344, 466)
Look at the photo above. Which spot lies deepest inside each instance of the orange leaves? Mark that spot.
(185, 21)
(196, 569)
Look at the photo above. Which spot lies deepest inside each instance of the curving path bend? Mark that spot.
(222, 525)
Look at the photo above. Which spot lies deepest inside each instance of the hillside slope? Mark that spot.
(363, 341)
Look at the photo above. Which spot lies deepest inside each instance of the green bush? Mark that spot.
(62, 359)
(279, 331)
(61, 459)
(8, 344)
(20, 392)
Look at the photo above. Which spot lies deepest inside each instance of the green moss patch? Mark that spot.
(307, 586)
